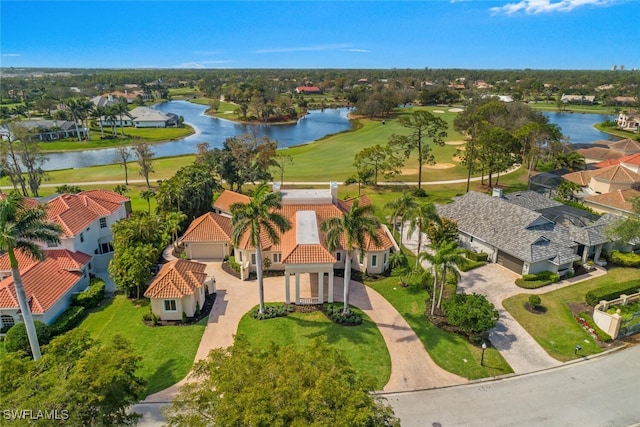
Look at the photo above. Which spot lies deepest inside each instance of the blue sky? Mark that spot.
(539, 34)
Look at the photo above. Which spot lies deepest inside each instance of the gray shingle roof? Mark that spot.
(513, 229)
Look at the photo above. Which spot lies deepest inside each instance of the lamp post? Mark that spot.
(484, 347)
(577, 349)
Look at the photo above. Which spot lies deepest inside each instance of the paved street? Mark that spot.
(604, 391)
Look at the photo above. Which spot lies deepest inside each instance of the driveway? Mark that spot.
(515, 344)
(411, 366)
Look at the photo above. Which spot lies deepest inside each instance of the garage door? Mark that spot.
(510, 262)
(207, 250)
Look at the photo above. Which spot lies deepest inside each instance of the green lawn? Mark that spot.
(167, 351)
(450, 351)
(556, 330)
(132, 135)
(363, 345)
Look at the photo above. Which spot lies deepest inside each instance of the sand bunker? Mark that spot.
(455, 142)
(438, 111)
(456, 110)
(441, 166)
(456, 159)
(408, 171)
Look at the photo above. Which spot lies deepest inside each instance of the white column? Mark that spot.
(330, 296)
(585, 254)
(320, 287)
(598, 252)
(297, 288)
(287, 296)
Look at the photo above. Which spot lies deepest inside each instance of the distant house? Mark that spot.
(629, 121)
(618, 202)
(142, 117)
(599, 151)
(208, 237)
(623, 100)
(578, 99)
(49, 284)
(46, 130)
(179, 287)
(517, 231)
(308, 90)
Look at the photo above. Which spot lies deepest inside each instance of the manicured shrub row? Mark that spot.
(477, 256)
(470, 265)
(625, 259)
(272, 311)
(612, 291)
(17, 339)
(233, 264)
(68, 320)
(92, 297)
(538, 280)
(334, 313)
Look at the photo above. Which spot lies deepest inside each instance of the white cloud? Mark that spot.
(200, 64)
(303, 48)
(207, 52)
(533, 7)
(357, 50)
(11, 54)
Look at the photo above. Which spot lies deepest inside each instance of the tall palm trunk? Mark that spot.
(401, 232)
(442, 283)
(435, 287)
(419, 246)
(259, 275)
(24, 306)
(347, 283)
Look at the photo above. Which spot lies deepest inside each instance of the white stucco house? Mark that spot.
(301, 250)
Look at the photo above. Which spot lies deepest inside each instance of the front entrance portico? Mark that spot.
(297, 269)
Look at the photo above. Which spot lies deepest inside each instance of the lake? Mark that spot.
(579, 127)
(317, 124)
(313, 126)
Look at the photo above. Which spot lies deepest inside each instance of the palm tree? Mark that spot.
(148, 195)
(420, 218)
(98, 114)
(353, 228)
(20, 227)
(452, 256)
(436, 268)
(401, 207)
(259, 215)
(122, 109)
(173, 222)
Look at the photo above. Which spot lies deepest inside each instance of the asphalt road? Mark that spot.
(602, 392)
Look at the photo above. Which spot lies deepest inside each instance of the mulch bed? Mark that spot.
(535, 309)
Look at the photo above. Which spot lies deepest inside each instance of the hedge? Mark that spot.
(92, 297)
(477, 256)
(233, 264)
(470, 265)
(17, 339)
(68, 320)
(625, 259)
(611, 291)
(538, 280)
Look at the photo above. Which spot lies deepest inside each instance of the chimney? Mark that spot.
(276, 187)
(497, 192)
(333, 186)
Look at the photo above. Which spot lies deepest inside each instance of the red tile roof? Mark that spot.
(44, 283)
(616, 173)
(227, 198)
(177, 279)
(581, 178)
(620, 199)
(600, 153)
(65, 258)
(75, 212)
(209, 227)
(628, 146)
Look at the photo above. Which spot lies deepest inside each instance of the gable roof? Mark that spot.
(615, 173)
(513, 229)
(227, 198)
(600, 153)
(209, 227)
(631, 159)
(45, 282)
(627, 146)
(619, 199)
(177, 279)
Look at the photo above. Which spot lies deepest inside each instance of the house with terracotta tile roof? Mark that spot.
(602, 151)
(605, 180)
(208, 237)
(618, 202)
(302, 249)
(308, 89)
(179, 287)
(49, 284)
(86, 219)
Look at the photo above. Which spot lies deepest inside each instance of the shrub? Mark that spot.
(272, 311)
(611, 291)
(93, 296)
(538, 280)
(419, 192)
(472, 314)
(147, 317)
(625, 259)
(17, 339)
(534, 300)
(476, 256)
(470, 265)
(68, 320)
(334, 313)
(233, 264)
